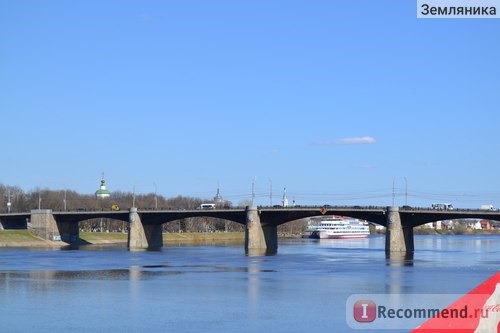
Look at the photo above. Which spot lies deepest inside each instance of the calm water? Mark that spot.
(216, 288)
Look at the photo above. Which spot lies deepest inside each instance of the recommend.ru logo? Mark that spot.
(364, 311)
(407, 311)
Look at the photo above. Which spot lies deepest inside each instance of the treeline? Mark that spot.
(68, 200)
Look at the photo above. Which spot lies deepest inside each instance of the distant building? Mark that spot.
(438, 225)
(284, 201)
(102, 192)
(468, 223)
(486, 225)
(447, 225)
(219, 200)
(477, 225)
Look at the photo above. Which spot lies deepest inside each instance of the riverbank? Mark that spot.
(109, 237)
(26, 238)
(23, 238)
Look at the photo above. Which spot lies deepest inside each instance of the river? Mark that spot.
(217, 288)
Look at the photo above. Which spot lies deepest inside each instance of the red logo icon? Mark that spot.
(364, 311)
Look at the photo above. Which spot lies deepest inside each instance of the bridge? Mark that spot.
(261, 236)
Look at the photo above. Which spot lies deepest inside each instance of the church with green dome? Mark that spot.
(102, 192)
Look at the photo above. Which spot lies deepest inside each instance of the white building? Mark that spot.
(284, 201)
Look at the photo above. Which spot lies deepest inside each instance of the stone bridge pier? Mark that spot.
(259, 239)
(398, 238)
(46, 226)
(143, 236)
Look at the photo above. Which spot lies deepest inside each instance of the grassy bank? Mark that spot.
(103, 237)
(204, 237)
(109, 237)
(26, 238)
(22, 238)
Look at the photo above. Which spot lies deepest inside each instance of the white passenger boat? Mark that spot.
(337, 227)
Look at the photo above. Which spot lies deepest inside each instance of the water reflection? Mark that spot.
(133, 273)
(253, 287)
(363, 243)
(260, 252)
(399, 259)
(218, 288)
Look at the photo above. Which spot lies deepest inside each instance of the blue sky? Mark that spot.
(334, 100)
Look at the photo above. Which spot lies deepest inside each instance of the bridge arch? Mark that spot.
(162, 217)
(278, 216)
(417, 217)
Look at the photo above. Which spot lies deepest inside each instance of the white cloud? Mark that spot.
(364, 166)
(356, 140)
(349, 141)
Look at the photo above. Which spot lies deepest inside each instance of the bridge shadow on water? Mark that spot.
(260, 252)
(76, 245)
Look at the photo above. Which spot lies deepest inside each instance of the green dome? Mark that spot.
(102, 192)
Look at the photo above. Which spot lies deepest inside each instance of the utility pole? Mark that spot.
(156, 198)
(393, 192)
(270, 192)
(406, 192)
(133, 197)
(253, 189)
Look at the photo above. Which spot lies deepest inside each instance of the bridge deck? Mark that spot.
(410, 217)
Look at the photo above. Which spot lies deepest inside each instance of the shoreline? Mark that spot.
(26, 238)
